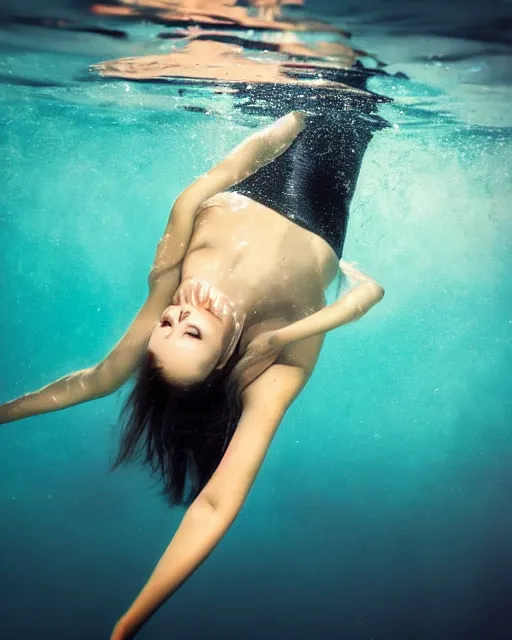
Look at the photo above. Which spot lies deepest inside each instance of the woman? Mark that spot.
(228, 336)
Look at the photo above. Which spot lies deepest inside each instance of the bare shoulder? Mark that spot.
(274, 390)
(285, 378)
(303, 355)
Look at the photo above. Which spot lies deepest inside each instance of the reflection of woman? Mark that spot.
(227, 338)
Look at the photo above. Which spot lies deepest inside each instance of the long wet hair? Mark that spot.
(181, 434)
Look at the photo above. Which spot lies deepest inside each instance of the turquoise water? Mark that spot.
(383, 507)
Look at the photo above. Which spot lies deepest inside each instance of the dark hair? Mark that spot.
(181, 434)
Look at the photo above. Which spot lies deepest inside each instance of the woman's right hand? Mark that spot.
(3, 414)
(8, 412)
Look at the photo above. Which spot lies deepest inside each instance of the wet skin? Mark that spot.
(271, 268)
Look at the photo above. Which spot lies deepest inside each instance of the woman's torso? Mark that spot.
(275, 268)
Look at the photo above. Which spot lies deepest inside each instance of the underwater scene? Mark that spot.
(377, 504)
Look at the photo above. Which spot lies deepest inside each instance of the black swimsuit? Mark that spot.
(313, 181)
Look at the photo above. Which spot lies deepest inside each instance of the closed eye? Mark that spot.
(192, 331)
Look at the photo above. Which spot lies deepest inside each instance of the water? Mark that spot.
(383, 508)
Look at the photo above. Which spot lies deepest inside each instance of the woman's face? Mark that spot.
(187, 343)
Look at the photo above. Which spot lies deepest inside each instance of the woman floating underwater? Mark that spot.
(229, 333)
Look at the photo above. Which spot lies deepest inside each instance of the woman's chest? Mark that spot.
(261, 247)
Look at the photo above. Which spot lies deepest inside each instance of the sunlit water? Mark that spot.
(383, 508)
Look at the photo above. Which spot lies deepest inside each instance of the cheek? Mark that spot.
(214, 358)
(205, 357)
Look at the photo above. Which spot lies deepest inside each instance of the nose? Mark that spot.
(176, 314)
(184, 314)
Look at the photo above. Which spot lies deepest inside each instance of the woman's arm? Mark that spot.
(265, 402)
(69, 390)
(107, 376)
(351, 306)
(253, 153)
(98, 380)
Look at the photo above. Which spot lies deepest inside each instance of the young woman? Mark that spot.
(230, 332)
